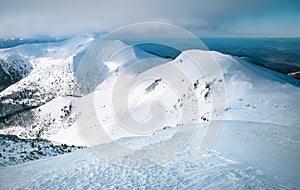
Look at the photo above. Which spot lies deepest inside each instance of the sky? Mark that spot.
(208, 18)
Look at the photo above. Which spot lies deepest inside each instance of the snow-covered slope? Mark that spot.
(51, 74)
(243, 157)
(17, 151)
(258, 146)
(13, 68)
(251, 94)
(40, 105)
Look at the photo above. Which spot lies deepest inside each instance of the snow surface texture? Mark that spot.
(189, 169)
(257, 148)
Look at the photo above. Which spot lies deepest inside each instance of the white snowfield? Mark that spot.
(257, 148)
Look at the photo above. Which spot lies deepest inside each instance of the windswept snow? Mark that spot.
(243, 157)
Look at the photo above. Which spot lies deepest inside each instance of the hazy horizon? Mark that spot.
(231, 18)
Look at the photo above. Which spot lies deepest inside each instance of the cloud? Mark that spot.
(204, 17)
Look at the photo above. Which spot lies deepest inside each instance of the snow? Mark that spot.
(17, 151)
(257, 95)
(257, 148)
(233, 162)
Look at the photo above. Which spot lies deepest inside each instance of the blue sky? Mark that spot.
(255, 18)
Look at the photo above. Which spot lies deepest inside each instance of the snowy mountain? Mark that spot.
(48, 69)
(51, 76)
(45, 97)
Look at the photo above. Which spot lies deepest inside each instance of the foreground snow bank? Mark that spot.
(245, 156)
